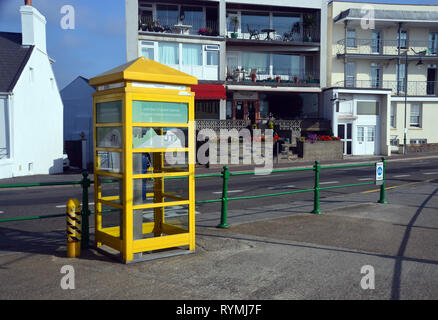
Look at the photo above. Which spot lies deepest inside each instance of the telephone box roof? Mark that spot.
(144, 70)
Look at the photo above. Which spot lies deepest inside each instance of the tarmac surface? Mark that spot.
(278, 251)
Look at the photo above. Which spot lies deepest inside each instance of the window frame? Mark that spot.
(420, 112)
(349, 38)
(7, 116)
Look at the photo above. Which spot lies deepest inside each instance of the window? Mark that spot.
(192, 16)
(192, 55)
(360, 134)
(255, 20)
(147, 50)
(371, 134)
(286, 23)
(376, 75)
(415, 117)
(167, 15)
(418, 141)
(259, 61)
(212, 58)
(403, 38)
(369, 108)
(4, 129)
(433, 42)
(168, 53)
(393, 115)
(351, 38)
(401, 82)
(287, 65)
(350, 74)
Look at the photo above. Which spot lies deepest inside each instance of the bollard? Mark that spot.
(85, 213)
(382, 186)
(73, 228)
(224, 208)
(316, 209)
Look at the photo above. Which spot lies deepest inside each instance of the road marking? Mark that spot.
(229, 191)
(430, 172)
(365, 179)
(401, 185)
(402, 176)
(65, 206)
(281, 187)
(329, 182)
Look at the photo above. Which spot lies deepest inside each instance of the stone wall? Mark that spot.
(321, 150)
(427, 147)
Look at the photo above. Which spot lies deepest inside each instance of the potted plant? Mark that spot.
(202, 31)
(253, 77)
(296, 79)
(278, 79)
(309, 24)
(235, 21)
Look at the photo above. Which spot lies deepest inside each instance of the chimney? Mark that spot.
(33, 27)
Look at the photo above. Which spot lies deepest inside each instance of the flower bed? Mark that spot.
(320, 147)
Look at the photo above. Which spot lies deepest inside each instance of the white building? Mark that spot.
(31, 111)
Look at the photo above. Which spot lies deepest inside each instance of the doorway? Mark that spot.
(366, 140)
(376, 43)
(345, 132)
(431, 80)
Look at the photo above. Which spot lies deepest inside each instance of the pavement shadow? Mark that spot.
(396, 281)
(51, 243)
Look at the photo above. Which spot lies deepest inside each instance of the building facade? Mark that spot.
(382, 75)
(30, 105)
(255, 60)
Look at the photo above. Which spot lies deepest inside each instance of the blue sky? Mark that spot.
(97, 43)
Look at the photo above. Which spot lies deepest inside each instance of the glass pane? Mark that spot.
(349, 149)
(287, 24)
(167, 15)
(168, 53)
(112, 217)
(148, 52)
(349, 130)
(192, 55)
(287, 65)
(193, 16)
(371, 131)
(360, 134)
(255, 20)
(109, 112)
(156, 190)
(109, 161)
(159, 137)
(147, 222)
(143, 163)
(111, 188)
(159, 112)
(212, 58)
(341, 131)
(109, 137)
(258, 61)
(368, 108)
(4, 130)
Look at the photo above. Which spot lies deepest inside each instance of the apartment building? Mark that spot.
(255, 60)
(381, 75)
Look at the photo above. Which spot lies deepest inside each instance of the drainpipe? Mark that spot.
(345, 52)
(398, 59)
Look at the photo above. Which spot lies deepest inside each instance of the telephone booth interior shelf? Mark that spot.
(144, 155)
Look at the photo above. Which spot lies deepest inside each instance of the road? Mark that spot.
(25, 202)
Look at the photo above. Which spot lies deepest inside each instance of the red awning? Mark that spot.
(209, 92)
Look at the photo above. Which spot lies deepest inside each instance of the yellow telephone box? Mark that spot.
(144, 156)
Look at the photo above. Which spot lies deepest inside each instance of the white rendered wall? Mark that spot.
(36, 113)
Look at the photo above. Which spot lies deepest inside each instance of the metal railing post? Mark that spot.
(224, 208)
(317, 169)
(85, 212)
(382, 187)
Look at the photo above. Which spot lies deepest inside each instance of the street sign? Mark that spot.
(379, 173)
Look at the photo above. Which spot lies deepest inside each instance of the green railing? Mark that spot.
(225, 174)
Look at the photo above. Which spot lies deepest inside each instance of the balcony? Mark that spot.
(376, 47)
(398, 88)
(194, 27)
(280, 33)
(277, 76)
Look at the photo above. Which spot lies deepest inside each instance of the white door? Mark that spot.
(346, 135)
(366, 140)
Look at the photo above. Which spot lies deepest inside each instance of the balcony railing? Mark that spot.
(398, 88)
(385, 47)
(285, 32)
(4, 153)
(268, 74)
(194, 27)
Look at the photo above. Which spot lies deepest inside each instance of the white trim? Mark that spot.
(158, 86)
(273, 88)
(421, 99)
(110, 86)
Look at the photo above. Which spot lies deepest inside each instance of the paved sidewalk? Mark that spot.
(275, 252)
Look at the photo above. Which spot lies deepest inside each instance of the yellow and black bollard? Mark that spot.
(73, 228)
